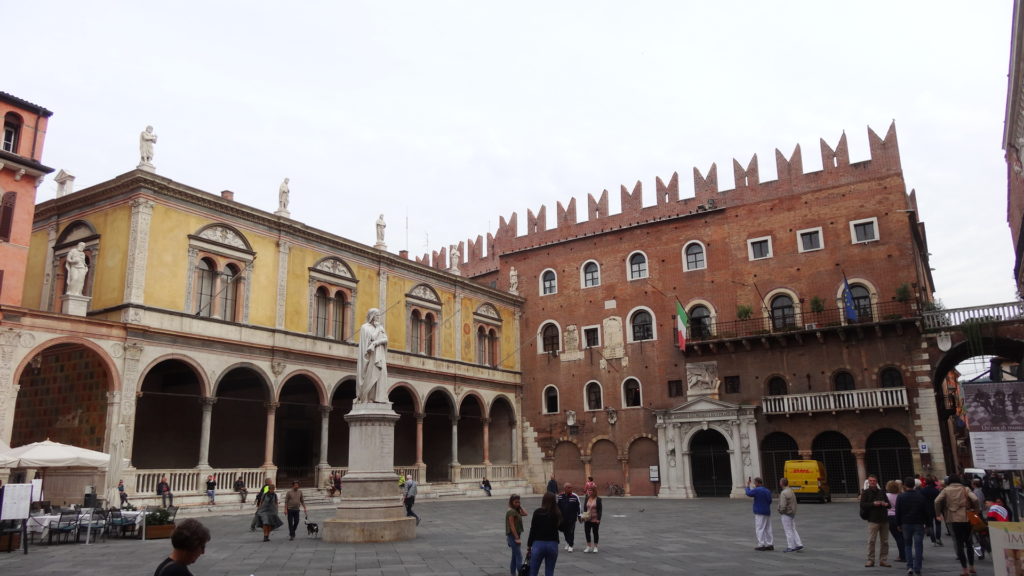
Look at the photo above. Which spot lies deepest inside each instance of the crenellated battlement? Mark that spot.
(478, 258)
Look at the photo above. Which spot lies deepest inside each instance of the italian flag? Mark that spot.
(682, 321)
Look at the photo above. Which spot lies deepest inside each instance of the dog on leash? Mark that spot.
(312, 528)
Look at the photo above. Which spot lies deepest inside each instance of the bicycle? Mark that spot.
(615, 490)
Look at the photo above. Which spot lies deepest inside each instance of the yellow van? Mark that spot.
(808, 480)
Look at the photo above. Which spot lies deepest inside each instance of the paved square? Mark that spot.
(466, 537)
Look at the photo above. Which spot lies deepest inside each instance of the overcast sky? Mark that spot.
(446, 115)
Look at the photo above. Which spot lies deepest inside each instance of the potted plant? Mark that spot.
(743, 312)
(159, 524)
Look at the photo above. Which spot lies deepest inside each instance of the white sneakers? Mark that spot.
(594, 550)
(568, 548)
(586, 550)
(590, 550)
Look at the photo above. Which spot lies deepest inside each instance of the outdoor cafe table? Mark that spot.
(41, 524)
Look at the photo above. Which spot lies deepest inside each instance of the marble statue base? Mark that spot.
(371, 508)
(73, 305)
(283, 213)
(380, 246)
(147, 166)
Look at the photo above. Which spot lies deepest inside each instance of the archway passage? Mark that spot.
(776, 448)
(437, 436)
(403, 403)
(567, 466)
(169, 418)
(834, 450)
(238, 426)
(501, 432)
(337, 427)
(643, 453)
(709, 458)
(297, 432)
(471, 435)
(604, 467)
(888, 456)
(63, 397)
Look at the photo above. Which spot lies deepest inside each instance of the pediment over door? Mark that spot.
(706, 409)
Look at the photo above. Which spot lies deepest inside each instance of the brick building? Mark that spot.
(801, 296)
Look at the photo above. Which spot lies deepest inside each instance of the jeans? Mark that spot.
(517, 555)
(897, 536)
(212, 496)
(165, 497)
(964, 548)
(409, 501)
(913, 538)
(293, 521)
(543, 551)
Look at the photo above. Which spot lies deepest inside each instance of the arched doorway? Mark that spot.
(169, 418)
(437, 436)
(567, 465)
(501, 432)
(337, 427)
(605, 467)
(297, 432)
(834, 450)
(63, 396)
(776, 448)
(471, 435)
(238, 425)
(888, 456)
(709, 459)
(643, 453)
(403, 402)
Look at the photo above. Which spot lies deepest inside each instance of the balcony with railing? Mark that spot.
(703, 330)
(946, 319)
(835, 402)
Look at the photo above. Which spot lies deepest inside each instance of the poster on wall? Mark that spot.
(1007, 548)
(995, 417)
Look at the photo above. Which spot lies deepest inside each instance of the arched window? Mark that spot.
(12, 132)
(206, 281)
(695, 257)
(338, 315)
(591, 275)
(415, 331)
(428, 334)
(492, 348)
(548, 282)
(7, 204)
(842, 380)
(641, 325)
(637, 266)
(861, 302)
(594, 396)
(777, 386)
(891, 378)
(631, 393)
(229, 293)
(783, 313)
(551, 400)
(700, 322)
(550, 337)
(320, 312)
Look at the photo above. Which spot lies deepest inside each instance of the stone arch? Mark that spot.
(321, 388)
(224, 234)
(502, 430)
(297, 429)
(567, 463)
(470, 429)
(605, 463)
(776, 448)
(195, 365)
(783, 322)
(343, 395)
(833, 448)
(244, 395)
(264, 378)
(888, 455)
(711, 452)
(171, 387)
(77, 231)
(439, 410)
(642, 453)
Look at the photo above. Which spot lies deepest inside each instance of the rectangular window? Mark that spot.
(591, 337)
(675, 388)
(759, 248)
(10, 139)
(809, 240)
(864, 230)
(732, 384)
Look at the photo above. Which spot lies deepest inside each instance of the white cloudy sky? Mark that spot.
(445, 115)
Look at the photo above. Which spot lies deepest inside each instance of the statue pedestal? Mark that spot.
(371, 508)
(147, 166)
(283, 213)
(75, 305)
(380, 246)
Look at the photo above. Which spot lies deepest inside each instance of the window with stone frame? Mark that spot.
(843, 381)
(641, 326)
(637, 266)
(591, 336)
(7, 204)
(891, 378)
(759, 248)
(488, 322)
(591, 274)
(551, 400)
(862, 231)
(423, 305)
(631, 393)
(550, 338)
(593, 396)
(220, 259)
(695, 258)
(548, 283)
(777, 386)
(675, 388)
(332, 284)
(12, 132)
(732, 384)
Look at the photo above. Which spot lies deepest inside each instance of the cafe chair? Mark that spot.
(65, 526)
(123, 526)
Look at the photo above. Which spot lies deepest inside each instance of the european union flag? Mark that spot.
(848, 309)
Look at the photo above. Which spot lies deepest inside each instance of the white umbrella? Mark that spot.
(6, 461)
(47, 454)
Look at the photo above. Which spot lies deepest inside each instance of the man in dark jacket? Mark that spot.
(569, 504)
(912, 515)
(875, 505)
(553, 485)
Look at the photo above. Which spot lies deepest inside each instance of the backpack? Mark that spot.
(865, 512)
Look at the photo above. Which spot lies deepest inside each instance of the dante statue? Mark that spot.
(77, 269)
(372, 365)
(146, 141)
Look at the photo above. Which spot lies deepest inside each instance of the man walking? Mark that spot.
(569, 504)
(787, 511)
(292, 500)
(874, 506)
(410, 498)
(553, 485)
(762, 514)
(912, 515)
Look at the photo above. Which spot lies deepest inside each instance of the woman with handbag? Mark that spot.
(543, 541)
(953, 505)
(514, 531)
(591, 518)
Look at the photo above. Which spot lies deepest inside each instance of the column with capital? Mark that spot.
(268, 447)
(325, 425)
(862, 473)
(485, 425)
(204, 434)
(455, 466)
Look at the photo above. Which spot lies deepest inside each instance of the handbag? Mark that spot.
(524, 570)
(977, 523)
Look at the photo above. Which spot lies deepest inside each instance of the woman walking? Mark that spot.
(514, 531)
(951, 505)
(267, 513)
(591, 518)
(543, 541)
(892, 491)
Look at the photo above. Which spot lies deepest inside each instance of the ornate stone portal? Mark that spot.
(371, 507)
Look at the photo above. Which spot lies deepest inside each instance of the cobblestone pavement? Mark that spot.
(466, 537)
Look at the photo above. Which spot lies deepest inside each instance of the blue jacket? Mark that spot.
(762, 500)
